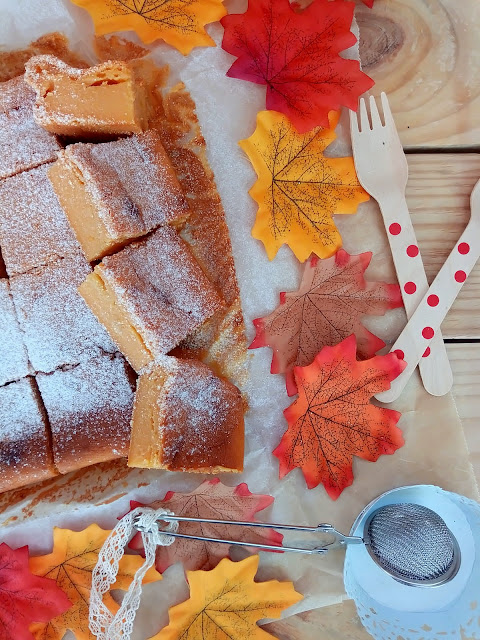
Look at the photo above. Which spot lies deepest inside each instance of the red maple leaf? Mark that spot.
(25, 597)
(214, 500)
(328, 307)
(296, 55)
(333, 420)
(369, 3)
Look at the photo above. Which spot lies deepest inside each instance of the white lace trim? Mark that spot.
(102, 623)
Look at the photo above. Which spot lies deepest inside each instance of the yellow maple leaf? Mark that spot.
(181, 23)
(225, 604)
(298, 188)
(70, 564)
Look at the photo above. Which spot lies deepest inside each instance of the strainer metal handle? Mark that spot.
(340, 540)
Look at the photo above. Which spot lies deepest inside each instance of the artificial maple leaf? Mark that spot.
(328, 307)
(333, 420)
(70, 564)
(296, 55)
(214, 500)
(225, 604)
(298, 188)
(24, 597)
(181, 23)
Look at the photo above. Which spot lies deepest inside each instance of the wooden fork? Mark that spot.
(382, 171)
(433, 308)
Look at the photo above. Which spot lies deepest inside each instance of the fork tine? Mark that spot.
(387, 113)
(374, 114)
(354, 128)
(364, 121)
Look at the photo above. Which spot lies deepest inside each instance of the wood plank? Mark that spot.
(337, 622)
(465, 360)
(424, 55)
(438, 196)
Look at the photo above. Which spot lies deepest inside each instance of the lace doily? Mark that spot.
(389, 610)
(103, 624)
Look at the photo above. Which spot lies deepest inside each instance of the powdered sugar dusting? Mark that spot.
(114, 207)
(33, 227)
(58, 326)
(13, 355)
(201, 414)
(91, 88)
(89, 408)
(24, 453)
(20, 414)
(162, 288)
(132, 182)
(23, 143)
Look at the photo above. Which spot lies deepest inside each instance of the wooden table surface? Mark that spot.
(426, 55)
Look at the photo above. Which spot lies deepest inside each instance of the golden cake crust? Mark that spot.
(186, 419)
(98, 101)
(89, 407)
(33, 228)
(23, 143)
(153, 289)
(25, 454)
(106, 203)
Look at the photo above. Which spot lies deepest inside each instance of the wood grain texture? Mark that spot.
(337, 622)
(465, 361)
(425, 55)
(438, 196)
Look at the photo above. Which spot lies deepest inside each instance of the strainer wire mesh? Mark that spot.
(410, 541)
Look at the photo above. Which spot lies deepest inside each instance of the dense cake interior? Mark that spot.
(100, 101)
(186, 418)
(106, 203)
(166, 280)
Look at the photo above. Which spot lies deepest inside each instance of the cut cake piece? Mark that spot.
(150, 296)
(59, 329)
(34, 230)
(89, 408)
(25, 454)
(100, 101)
(13, 355)
(186, 418)
(116, 191)
(23, 143)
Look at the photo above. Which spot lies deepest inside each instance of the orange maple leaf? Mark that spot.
(181, 23)
(225, 604)
(298, 188)
(328, 307)
(70, 564)
(333, 420)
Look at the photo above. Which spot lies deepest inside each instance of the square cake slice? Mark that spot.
(59, 329)
(34, 230)
(13, 355)
(150, 296)
(23, 143)
(186, 418)
(89, 408)
(116, 191)
(25, 454)
(100, 101)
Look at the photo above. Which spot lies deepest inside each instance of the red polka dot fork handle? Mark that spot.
(424, 325)
(382, 170)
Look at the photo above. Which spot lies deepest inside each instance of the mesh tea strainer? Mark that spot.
(416, 536)
(409, 541)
